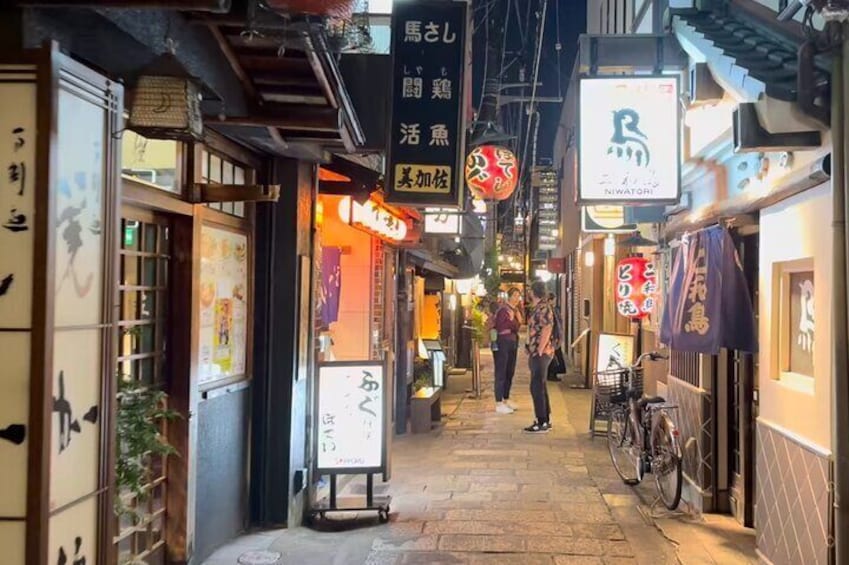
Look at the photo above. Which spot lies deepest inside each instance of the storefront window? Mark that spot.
(153, 161)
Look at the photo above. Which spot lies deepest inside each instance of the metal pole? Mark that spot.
(840, 340)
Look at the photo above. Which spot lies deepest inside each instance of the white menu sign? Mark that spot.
(628, 145)
(615, 351)
(350, 416)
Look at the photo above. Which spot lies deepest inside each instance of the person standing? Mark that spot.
(540, 352)
(508, 319)
(558, 362)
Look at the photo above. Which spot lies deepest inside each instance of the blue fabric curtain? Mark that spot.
(708, 306)
(331, 284)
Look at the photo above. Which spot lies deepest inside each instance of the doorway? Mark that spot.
(143, 358)
(741, 370)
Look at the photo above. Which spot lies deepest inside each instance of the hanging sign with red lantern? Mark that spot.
(636, 286)
(492, 172)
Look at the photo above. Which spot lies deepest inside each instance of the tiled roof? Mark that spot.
(765, 54)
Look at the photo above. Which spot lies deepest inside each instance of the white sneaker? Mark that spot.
(513, 406)
(502, 408)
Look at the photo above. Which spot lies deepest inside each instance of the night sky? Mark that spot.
(572, 22)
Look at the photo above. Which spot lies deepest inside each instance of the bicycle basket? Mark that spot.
(612, 385)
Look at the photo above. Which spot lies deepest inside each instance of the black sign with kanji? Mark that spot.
(426, 139)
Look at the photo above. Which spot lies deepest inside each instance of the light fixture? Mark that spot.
(609, 246)
(165, 101)
(589, 258)
(543, 274)
(452, 302)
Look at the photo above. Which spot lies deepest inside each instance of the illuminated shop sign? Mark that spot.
(443, 221)
(351, 417)
(629, 144)
(373, 218)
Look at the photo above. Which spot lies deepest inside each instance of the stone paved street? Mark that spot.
(478, 490)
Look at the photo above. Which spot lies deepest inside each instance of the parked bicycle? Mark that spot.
(641, 435)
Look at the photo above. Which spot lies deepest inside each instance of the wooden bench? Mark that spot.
(425, 408)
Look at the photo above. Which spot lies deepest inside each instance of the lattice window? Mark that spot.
(142, 356)
(217, 169)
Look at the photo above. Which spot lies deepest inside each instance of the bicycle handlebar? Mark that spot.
(652, 355)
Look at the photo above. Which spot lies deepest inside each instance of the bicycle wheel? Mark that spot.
(621, 446)
(666, 462)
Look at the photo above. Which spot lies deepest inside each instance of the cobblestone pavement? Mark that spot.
(478, 490)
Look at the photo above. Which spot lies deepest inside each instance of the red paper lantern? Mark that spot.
(492, 172)
(636, 285)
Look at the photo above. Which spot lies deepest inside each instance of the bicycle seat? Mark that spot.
(645, 401)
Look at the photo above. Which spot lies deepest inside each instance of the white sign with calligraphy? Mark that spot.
(629, 147)
(350, 417)
(615, 351)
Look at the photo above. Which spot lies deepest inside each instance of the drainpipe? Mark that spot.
(840, 340)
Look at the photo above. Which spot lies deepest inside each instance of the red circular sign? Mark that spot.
(492, 172)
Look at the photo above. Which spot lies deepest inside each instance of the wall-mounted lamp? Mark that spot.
(609, 246)
(589, 258)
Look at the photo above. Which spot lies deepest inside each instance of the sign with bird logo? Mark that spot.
(629, 147)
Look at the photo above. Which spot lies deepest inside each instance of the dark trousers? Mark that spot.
(539, 392)
(505, 367)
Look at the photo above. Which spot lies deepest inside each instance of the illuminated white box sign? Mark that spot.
(372, 217)
(351, 417)
(442, 221)
(628, 145)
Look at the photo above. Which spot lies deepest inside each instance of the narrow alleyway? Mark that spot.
(480, 491)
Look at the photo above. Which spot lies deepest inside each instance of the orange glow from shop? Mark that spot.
(372, 217)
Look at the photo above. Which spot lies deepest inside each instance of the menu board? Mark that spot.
(351, 416)
(223, 304)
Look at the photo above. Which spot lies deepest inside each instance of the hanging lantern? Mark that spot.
(492, 172)
(166, 102)
(636, 285)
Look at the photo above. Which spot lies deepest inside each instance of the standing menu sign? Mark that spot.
(426, 148)
(351, 417)
(629, 146)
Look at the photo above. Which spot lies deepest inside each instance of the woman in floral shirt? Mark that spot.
(540, 352)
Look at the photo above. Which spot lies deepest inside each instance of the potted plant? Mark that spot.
(422, 374)
(141, 412)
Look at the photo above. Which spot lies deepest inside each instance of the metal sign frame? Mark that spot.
(678, 150)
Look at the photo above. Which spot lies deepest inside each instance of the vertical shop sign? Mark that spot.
(427, 134)
(350, 431)
(544, 181)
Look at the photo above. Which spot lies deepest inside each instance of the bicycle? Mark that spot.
(641, 434)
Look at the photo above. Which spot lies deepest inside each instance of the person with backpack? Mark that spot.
(558, 363)
(540, 349)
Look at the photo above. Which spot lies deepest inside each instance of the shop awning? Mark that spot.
(425, 259)
(344, 177)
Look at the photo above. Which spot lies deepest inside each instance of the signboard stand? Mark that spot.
(615, 351)
(352, 430)
(372, 502)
